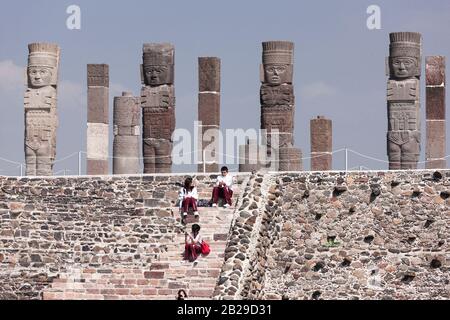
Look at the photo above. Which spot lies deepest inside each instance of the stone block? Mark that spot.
(97, 167)
(435, 70)
(321, 161)
(321, 135)
(435, 139)
(209, 74)
(98, 102)
(98, 75)
(435, 103)
(209, 109)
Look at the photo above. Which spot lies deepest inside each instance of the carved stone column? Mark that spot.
(249, 157)
(209, 112)
(127, 119)
(436, 121)
(98, 119)
(403, 100)
(158, 106)
(278, 101)
(41, 120)
(321, 144)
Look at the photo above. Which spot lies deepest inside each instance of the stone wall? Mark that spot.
(50, 226)
(377, 235)
(364, 235)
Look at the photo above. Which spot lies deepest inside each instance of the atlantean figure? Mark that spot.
(403, 100)
(158, 105)
(278, 103)
(41, 120)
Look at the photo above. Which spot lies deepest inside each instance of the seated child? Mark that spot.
(188, 198)
(193, 247)
(223, 188)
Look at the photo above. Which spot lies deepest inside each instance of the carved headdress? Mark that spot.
(45, 55)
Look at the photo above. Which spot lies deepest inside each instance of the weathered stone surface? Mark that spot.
(403, 96)
(277, 98)
(158, 106)
(92, 237)
(158, 64)
(209, 109)
(209, 74)
(41, 120)
(290, 159)
(321, 144)
(98, 75)
(376, 250)
(436, 140)
(98, 119)
(436, 113)
(435, 70)
(98, 103)
(435, 103)
(97, 167)
(249, 157)
(209, 112)
(127, 115)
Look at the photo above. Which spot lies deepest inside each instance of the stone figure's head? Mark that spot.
(405, 55)
(159, 63)
(278, 62)
(43, 62)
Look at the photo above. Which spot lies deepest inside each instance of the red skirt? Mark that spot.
(192, 252)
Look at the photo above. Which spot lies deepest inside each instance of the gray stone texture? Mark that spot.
(127, 118)
(302, 240)
(56, 231)
(98, 75)
(98, 115)
(158, 106)
(436, 113)
(40, 103)
(321, 144)
(209, 74)
(209, 111)
(249, 160)
(277, 98)
(403, 96)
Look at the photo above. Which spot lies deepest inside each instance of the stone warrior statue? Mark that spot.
(403, 100)
(41, 119)
(278, 102)
(158, 105)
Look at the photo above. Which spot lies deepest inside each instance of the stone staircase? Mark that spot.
(163, 278)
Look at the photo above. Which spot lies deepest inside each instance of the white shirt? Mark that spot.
(228, 180)
(197, 240)
(187, 194)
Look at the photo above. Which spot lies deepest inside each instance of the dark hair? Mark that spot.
(224, 169)
(196, 228)
(188, 184)
(182, 295)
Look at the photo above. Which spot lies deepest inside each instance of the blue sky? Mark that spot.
(339, 67)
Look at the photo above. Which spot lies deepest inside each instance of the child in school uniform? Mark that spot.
(188, 198)
(193, 247)
(223, 188)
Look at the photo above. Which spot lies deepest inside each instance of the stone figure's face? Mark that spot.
(403, 67)
(157, 75)
(276, 74)
(40, 76)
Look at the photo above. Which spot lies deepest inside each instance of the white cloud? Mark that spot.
(317, 90)
(12, 76)
(71, 95)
